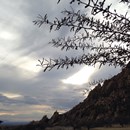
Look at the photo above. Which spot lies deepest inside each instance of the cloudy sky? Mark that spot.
(26, 92)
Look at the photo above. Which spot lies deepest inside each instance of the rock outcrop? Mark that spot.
(105, 105)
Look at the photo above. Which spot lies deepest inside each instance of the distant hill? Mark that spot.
(9, 123)
(1, 121)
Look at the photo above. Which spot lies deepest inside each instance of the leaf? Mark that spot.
(58, 1)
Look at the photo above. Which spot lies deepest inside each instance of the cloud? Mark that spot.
(42, 89)
(15, 99)
(33, 108)
(22, 44)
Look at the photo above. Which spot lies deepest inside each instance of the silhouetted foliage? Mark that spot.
(97, 28)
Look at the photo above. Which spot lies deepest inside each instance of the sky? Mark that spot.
(26, 92)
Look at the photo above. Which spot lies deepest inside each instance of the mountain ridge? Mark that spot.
(106, 104)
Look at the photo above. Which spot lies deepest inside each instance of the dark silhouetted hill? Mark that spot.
(105, 105)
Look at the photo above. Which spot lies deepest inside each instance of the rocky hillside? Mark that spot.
(105, 105)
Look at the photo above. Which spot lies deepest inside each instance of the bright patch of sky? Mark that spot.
(81, 77)
(11, 95)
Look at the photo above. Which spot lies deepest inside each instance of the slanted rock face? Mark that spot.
(105, 105)
(55, 118)
(44, 119)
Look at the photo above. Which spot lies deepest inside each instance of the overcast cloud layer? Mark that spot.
(26, 93)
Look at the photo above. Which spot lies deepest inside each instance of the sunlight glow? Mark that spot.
(81, 77)
(11, 95)
(7, 35)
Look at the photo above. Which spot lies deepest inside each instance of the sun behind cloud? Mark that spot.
(81, 77)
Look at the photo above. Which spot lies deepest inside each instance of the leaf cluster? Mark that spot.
(104, 33)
